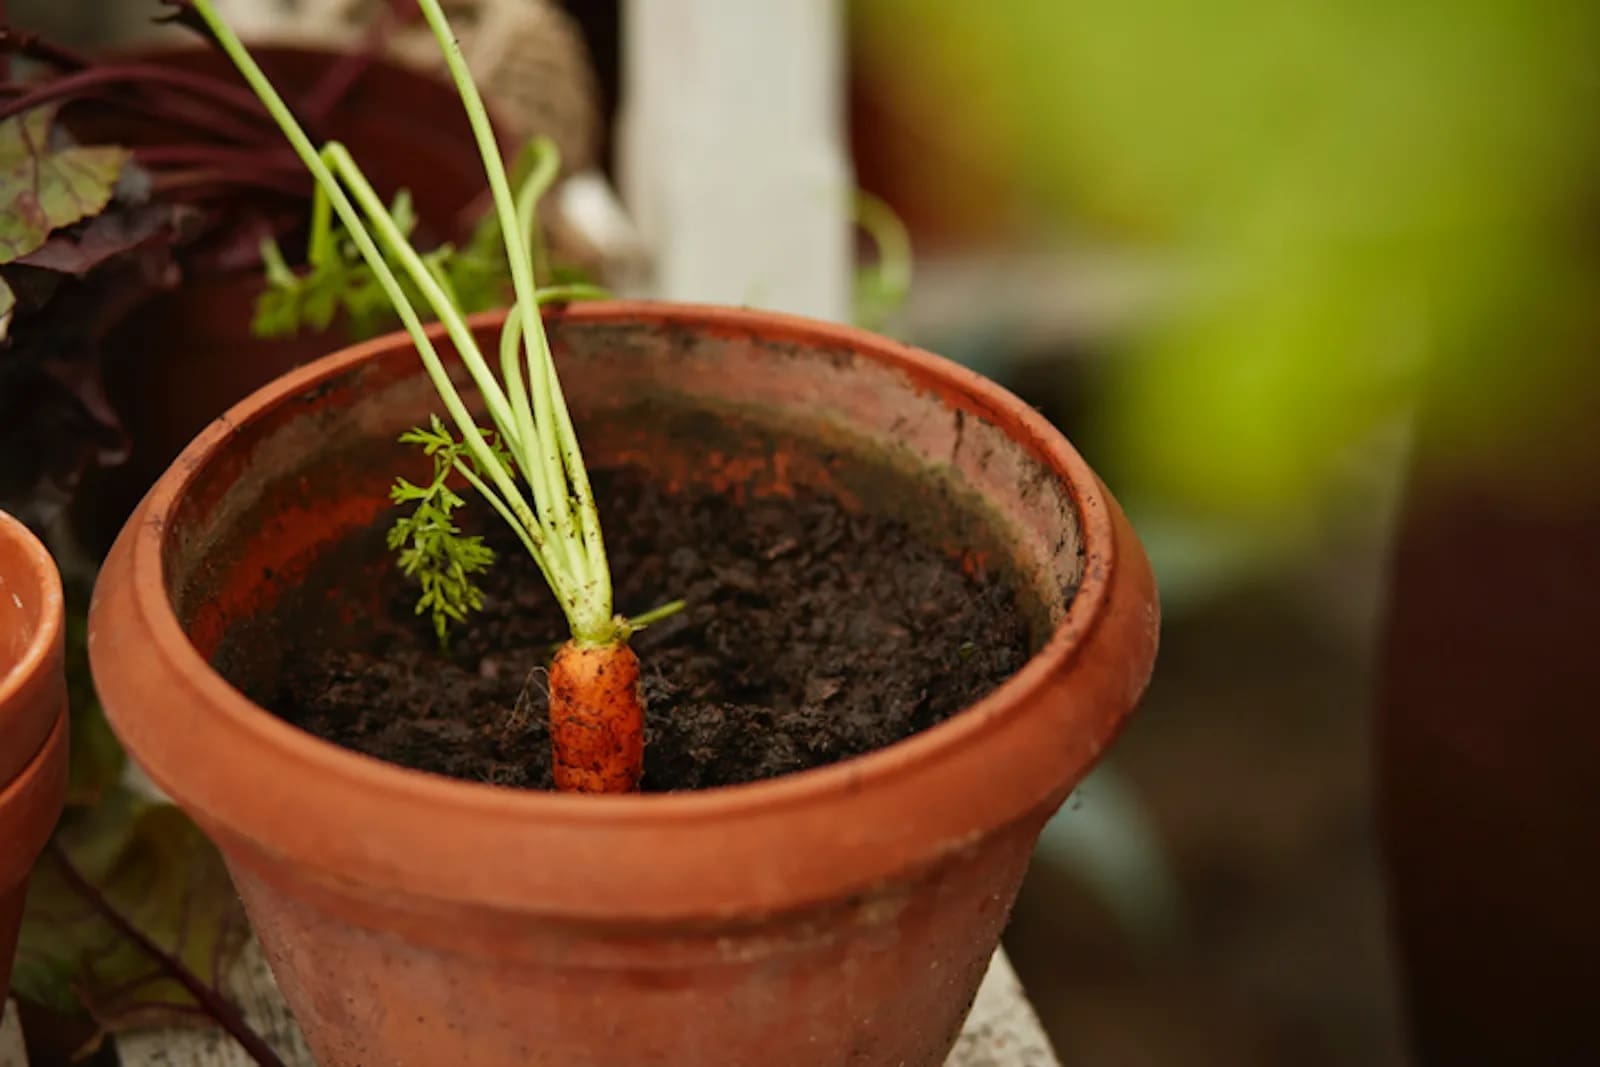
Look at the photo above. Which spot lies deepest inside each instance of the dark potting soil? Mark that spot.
(811, 634)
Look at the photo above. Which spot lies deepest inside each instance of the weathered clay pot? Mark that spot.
(840, 915)
(33, 719)
(182, 358)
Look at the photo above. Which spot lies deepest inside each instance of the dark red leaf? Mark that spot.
(80, 251)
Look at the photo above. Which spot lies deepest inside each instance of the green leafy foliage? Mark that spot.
(338, 284)
(432, 550)
(1334, 198)
(560, 524)
(128, 863)
(46, 184)
(480, 265)
(881, 287)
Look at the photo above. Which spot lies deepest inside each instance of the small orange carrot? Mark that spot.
(596, 718)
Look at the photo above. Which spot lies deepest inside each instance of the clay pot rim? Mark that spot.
(470, 799)
(39, 654)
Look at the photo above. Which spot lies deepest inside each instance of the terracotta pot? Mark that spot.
(183, 357)
(840, 915)
(33, 719)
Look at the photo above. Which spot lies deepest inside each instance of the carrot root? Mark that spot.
(596, 718)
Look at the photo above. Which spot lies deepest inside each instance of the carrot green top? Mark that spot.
(528, 466)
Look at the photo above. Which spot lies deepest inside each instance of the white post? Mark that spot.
(731, 151)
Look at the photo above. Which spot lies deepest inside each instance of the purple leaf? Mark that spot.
(105, 237)
(133, 904)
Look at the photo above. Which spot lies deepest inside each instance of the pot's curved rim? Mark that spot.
(21, 680)
(354, 778)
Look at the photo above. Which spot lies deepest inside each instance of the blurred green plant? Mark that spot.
(882, 284)
(1354, 193)
(337, 284)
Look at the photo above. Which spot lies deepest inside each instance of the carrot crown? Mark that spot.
(528, 466)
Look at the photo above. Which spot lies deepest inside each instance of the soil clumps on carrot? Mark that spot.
(811, 635)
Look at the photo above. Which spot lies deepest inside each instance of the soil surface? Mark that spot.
(812, 634)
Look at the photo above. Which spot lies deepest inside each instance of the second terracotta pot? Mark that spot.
(843, 915)
(33, 719)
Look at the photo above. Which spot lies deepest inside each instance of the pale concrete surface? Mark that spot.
(1002, 1030)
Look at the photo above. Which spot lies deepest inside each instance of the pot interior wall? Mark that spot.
(22, 604)
(18, 623)
(296, 490)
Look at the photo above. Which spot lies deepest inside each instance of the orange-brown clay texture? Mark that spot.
(841, 915)
(596, 718)
(33, 719)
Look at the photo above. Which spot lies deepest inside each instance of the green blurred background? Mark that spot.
(1223, 245)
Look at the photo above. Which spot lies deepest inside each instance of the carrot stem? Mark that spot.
(596, 710)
